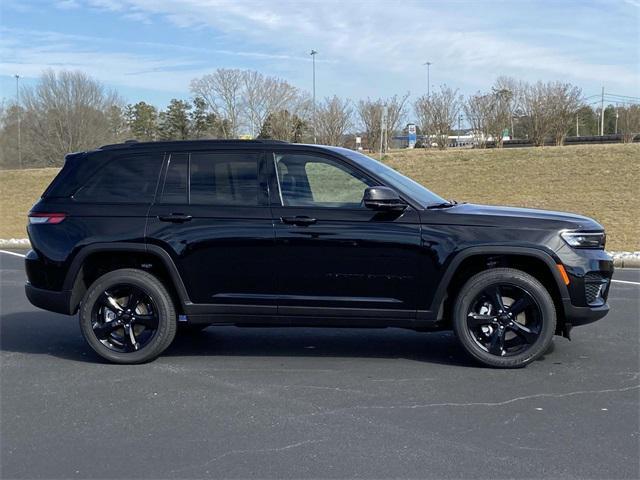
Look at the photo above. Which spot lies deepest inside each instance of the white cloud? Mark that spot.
(366, 48)
(381, 36)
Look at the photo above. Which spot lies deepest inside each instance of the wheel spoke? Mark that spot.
(103, 330)
(149, 321)
(134, 299)
(523, 332)
(519, 305)
(107, 299)
(476, 320)
(496, 347)
(496, 297)
(130, 338)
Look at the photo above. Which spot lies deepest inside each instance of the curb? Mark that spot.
(620, 259)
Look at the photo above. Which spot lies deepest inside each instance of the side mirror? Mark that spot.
(383, 198)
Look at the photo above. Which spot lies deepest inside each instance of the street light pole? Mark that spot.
(428, 64)
(313, 60)
(19, 119)
(602, 114)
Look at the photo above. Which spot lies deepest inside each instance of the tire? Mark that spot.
(159, 313)
(530, 332)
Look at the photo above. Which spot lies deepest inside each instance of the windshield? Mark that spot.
(394, 179)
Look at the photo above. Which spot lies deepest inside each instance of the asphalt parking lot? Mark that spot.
(315, 403)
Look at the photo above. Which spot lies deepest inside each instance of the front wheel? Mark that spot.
(504, 318)
(127, 316)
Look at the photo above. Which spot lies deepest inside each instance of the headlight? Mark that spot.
(584, 239)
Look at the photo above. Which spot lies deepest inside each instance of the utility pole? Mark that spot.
(577, 126)
(459, 122)
(617, 108)
(428, 64)
(602, 113)
(19, 120)
(313, 60)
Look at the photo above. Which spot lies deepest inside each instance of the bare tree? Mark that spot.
(396, 112)
(629, 122)
(438, 113)
(477, 110)
(535, 110)
(333, 120)
(223, 92)
(563, 101)
(370, 114)
(513, 90)
(263, 95)
(65, 112)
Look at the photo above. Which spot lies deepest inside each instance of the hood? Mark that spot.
(487, 215)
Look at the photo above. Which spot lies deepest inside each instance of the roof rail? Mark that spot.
(136, 144)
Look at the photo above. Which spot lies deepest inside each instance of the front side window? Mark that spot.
(314, 181)
(212, 178)
(127, 179)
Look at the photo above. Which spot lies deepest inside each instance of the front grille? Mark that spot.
(595, 288)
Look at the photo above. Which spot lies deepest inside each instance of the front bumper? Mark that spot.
(577, 316)
(59, 302)
(590, 273)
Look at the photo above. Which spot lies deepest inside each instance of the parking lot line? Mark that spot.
(12, 253)
(625, 281)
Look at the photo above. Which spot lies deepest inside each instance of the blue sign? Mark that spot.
(411, 129)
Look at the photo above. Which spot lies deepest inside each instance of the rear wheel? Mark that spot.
(504, 317)
(127, 316)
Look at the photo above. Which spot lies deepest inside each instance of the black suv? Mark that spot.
(147, 238)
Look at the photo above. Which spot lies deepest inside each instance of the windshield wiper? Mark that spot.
(446, 204)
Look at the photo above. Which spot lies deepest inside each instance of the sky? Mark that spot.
(151, 49)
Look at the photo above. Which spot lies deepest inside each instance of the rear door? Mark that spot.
(212, 215)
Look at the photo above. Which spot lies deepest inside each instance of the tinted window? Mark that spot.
(130, 179)
(221, 178)
(224, 179)
(307, 180)
(174, 189)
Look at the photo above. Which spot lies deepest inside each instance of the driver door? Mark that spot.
(334, 256)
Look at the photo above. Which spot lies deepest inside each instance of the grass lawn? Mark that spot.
(600, 181)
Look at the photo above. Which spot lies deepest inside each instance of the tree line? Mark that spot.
(69, 111)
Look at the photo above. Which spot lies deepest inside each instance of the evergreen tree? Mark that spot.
(175, 122)
(203, 124)
(143, 121)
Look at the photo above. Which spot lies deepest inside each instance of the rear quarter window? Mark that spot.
(223, 178)
(125, 179)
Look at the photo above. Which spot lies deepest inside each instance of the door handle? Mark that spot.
(175, 218)
(300, 221)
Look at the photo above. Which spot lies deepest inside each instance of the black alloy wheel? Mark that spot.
(504, 320)
(128, 316)
(504, 317)
(124, 318)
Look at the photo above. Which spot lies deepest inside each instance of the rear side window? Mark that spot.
(128, 179)
(215, 178)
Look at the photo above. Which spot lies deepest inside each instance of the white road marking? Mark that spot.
(624, 281)
(12, 253)
(22, 255)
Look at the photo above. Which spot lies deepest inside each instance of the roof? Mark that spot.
(134, 144)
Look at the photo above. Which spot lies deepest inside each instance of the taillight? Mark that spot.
(52, 218)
